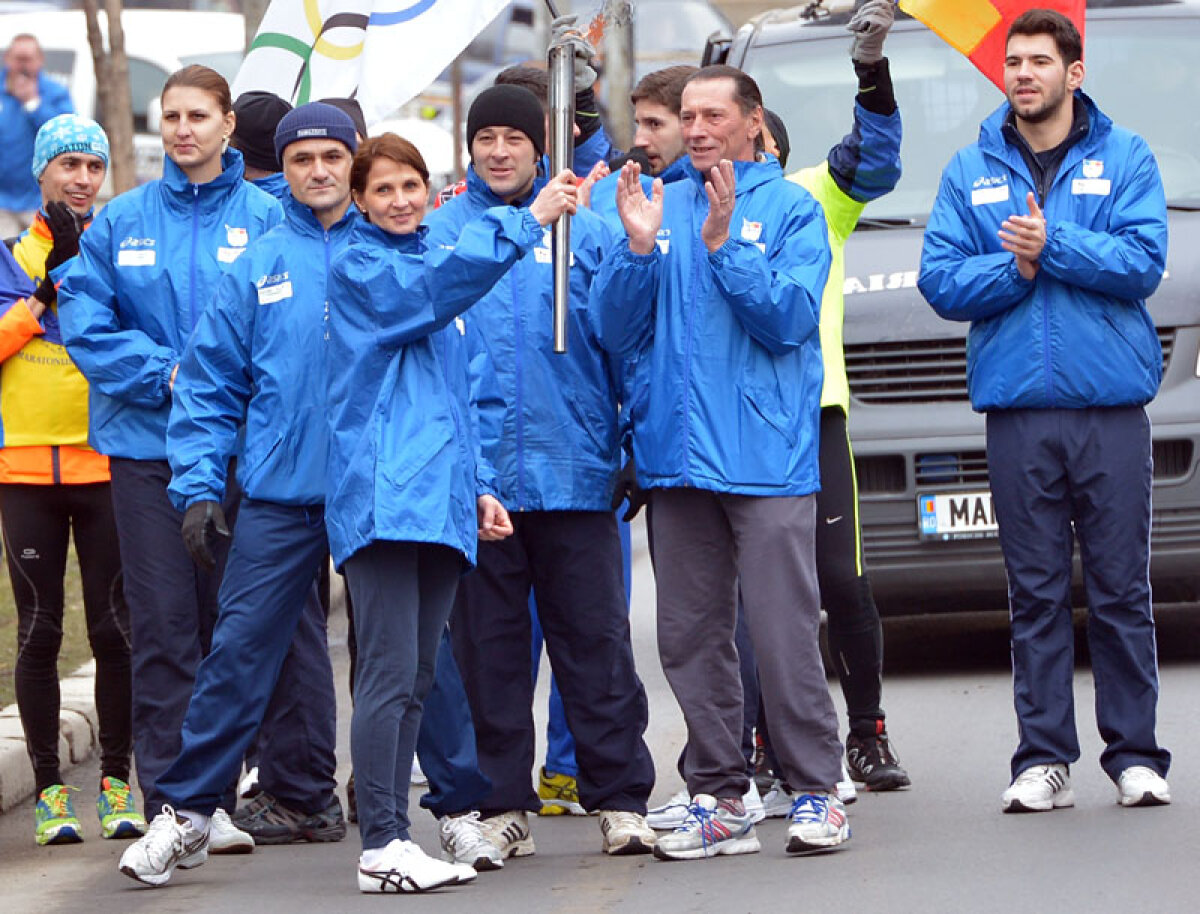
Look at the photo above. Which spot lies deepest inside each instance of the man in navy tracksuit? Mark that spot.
(255, 362)
(1048, 234)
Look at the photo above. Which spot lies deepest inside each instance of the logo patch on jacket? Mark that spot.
(664, 240)
(544, 253)
(1091, 184)
(136, 252)
(273, 287)
(1092, 168)
(989, 189)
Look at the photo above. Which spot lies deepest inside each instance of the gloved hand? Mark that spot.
(65, 228)
(870, 26)
(628, 489)
(564, 31)
(202, 518)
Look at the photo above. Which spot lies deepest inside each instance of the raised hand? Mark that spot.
(599, 171)
(560, 195)
(1025, 236)
(642, 218)
(720, 187)
(870, 26)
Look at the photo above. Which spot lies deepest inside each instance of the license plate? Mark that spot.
(956, 516)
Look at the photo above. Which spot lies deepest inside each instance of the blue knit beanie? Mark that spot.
(68, 133)
(314, 121)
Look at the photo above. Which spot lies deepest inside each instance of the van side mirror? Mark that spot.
(716, 49)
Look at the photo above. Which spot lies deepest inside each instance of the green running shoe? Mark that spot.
(55, 818)
(118, 813)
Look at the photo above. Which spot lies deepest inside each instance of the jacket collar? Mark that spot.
(410, 243)
(992, 138)
(301, 219)
(180, 190)
(748, 175)
(479, 192)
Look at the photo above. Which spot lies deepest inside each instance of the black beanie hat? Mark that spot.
(258, 114)
(508, 106)
(774, 123)
(352, 109)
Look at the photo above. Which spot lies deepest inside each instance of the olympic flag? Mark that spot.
(978, 28)
(382, 52)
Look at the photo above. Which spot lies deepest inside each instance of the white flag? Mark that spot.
(382, 52)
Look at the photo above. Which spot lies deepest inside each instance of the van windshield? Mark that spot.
(1142, 74)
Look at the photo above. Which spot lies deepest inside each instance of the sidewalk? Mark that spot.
(77, 736)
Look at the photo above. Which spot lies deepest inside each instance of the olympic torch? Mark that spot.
(562, 149)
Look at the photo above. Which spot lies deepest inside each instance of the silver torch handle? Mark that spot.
(562, 148)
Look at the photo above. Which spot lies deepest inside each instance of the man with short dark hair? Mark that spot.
(548, 430)
(724, 409)
(1047, 235)
(28, 98)
(252, 365)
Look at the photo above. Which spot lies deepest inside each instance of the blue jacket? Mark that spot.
(18, 129)
(548, 423)
(402, 459)
(147, 268)
(1079, 335)
(275, 184)
(728, 379)
(257, 357)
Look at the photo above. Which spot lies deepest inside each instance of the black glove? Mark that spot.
(628, 489)
(65, 229)
(200, 519)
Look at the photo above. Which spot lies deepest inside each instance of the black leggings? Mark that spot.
(855, 634)
(37, 523)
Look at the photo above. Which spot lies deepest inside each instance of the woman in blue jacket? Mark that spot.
(147, 268)
(406, 502)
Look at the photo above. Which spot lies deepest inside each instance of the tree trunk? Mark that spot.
(112, 90)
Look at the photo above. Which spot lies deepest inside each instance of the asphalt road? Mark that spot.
(942, 846)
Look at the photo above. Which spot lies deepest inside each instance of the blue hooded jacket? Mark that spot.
(402, 463)
(1079, 334)
(728, 378)
(19, 189)
(548, 422)
(257, 358)
(147, 268)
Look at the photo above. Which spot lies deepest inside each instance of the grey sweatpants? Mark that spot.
(706, 545)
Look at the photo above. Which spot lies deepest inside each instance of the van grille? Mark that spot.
(924, 371)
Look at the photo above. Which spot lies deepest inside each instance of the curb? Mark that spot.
(77, 736)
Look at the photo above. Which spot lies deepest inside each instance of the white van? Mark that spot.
(157, 42)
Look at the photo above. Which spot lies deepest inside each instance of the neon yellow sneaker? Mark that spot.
(54, 817)
(118, 813)
(559, 794)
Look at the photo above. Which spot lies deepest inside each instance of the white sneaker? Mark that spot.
(818, 823)
(463, 842)
(402, 866)
(1038, 789)
(248, 785)
(777, 801)
(508, 832)
(671, 814)
(846, 790)
(1142, 786)
(170, 841)
(625, 833)
(754, 804)
(226, 838)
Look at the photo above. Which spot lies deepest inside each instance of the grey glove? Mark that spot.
(564, 31)
(870, 26)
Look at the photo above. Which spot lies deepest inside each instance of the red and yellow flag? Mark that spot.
(978, 28)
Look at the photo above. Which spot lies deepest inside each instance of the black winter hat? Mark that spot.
(508, 106)
(258, 114)
(352, 109)
(775, 124)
